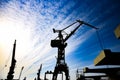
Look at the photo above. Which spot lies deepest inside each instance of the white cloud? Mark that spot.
(33, 31)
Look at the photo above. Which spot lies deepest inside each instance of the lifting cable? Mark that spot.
(99, 39)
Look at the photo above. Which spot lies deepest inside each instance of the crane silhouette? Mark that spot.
(13, 62)
(60, 43)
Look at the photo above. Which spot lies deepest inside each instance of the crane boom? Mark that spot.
(67, 37)
(81, 22)
(72, 32)
(69, 26)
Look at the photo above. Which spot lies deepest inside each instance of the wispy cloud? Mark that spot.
(31, 23)
(32, 27)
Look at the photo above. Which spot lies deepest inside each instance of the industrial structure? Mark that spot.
(21, 72)
(117, 32)
(38, 74)
(13, 62)
(106, 57)
(60, 43)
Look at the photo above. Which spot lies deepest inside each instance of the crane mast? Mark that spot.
(21, 72)
(60, 43)
(13, 62)
(38, 74)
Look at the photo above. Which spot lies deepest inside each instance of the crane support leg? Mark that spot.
(59, 69)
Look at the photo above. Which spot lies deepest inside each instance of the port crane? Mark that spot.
(21, 73)
(38, 74)
(60, 43)
(13, 62)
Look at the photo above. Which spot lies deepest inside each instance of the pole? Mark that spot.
(21, 72)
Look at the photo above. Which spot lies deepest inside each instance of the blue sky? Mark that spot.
(31, 23)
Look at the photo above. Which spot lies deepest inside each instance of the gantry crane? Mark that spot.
(60, 43)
